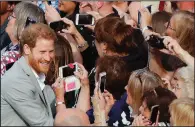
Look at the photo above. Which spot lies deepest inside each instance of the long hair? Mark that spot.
(23, 10)
(140, 81)
(63, 56)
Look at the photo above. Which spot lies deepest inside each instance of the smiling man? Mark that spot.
(25, 99)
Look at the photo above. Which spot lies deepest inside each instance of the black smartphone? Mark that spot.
(154, 113)
(58, 25)
(102, 81)
(84, 19)
(156, 42)
(139, 14)
(29, 21)
(68, 70)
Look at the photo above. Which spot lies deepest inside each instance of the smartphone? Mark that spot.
(58, 25)
(71, 81)
(139, 14)
(154, 113)
(156, 42)
(68, 70)
(102, 81)
(84, 19)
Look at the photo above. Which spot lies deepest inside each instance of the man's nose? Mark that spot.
(47, 56)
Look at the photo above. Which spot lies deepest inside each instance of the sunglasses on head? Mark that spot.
(29, 21)
(140, 72)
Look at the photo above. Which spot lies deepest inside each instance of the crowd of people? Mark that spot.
(147, 56)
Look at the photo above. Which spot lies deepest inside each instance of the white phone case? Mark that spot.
(72, 82)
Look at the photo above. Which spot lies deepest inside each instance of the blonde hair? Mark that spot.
(187, 74)
(184, 26)
(23, 10)
(182, 112)
(136, 88)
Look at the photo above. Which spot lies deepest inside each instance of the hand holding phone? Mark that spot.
(67, 73)
(84, 19)
(58, 25)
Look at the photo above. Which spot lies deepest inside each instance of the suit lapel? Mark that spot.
(46, 99)
(32, 77)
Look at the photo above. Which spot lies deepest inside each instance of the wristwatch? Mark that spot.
(147, 28)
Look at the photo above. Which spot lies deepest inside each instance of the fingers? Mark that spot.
(90, 27)
(84, 4)
(66, 31)
(46, 4)
(67, 21)
(96, 90)
(77, 74)
(82, 68)
(58, 83)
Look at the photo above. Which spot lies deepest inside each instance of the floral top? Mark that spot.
(9, 56)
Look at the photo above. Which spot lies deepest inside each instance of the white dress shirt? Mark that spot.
(40, 78)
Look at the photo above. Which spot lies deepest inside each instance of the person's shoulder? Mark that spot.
(15, 77)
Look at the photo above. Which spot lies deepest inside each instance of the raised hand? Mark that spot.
(82, 74)
(51, 14)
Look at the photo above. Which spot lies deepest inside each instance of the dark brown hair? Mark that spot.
(32, 33)
(116, 74)
(119, 37)
(63, 56)
(158, 21)
(162, 97)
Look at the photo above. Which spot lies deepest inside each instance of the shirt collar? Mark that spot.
(40, 77)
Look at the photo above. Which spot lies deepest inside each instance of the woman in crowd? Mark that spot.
(182, 112)
(182, 30)
(116, 78)
(115, 38)
(63, 56)
(182, 82)
(158, 59)
(160, 97)
(158, 20)
(140, 81)
(17, 22)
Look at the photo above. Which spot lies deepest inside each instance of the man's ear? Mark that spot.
(99, 4)
(26, 49)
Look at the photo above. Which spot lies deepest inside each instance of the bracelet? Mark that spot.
(59, 103)
(82, 45)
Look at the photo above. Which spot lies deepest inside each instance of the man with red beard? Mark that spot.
(25, 99)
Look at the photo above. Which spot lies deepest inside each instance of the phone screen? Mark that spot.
(102, 83)
(85, 20)
(154, 113)
(58, 25)
(68, 71)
